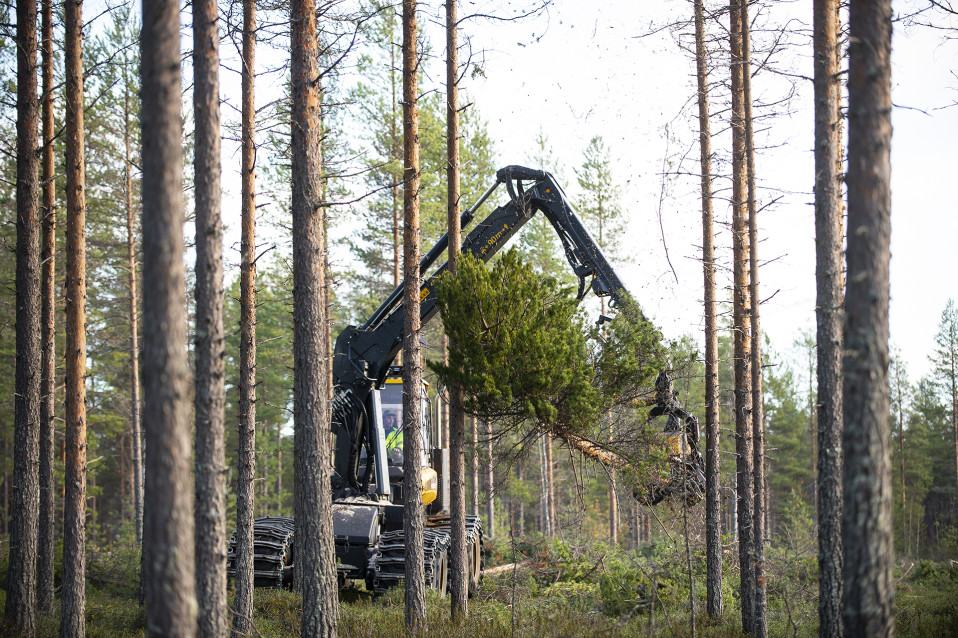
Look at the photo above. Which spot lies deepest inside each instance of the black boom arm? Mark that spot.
(363, 354)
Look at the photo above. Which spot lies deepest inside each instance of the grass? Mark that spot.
(561, 590)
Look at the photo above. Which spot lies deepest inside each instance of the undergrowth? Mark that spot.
(558, 589)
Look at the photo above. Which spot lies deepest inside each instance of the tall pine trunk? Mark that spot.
(459, 561)
(315, 557)
(829, 284)
(20, 607)
(742, 307)
(73, 598)
(413, 514)
(474, 466)
(47, 514)
(135, 426)
(758, 422)
(713, 532)
(868, 601)
(168, 568)
(490, 486)
(246, 461)
(209, 399)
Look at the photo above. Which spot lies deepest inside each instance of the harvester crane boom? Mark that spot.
(363, 354)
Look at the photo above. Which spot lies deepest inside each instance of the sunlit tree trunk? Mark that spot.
(73, 597)
(135, 429)
(490, 485)
(412, 350)
(246, 460)
(868, 600)
(829, 283)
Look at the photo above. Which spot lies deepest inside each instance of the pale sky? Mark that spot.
(582, 71)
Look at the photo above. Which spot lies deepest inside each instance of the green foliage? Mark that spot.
(523, 351)
(520, 344)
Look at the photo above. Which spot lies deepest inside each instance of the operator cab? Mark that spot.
(387, 434)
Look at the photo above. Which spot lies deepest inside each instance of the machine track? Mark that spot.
(388, 563)
(272, 552)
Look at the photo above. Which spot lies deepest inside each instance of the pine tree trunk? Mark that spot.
(490, 487)
(741, 321)
(315, 562)
(713, 532)
(868, 602)
(47, 514)
(136, 439)
(758, 420)
(168, 517)
(21, 575)
(828, 247)
(246, 458)
(412, 350)
(550, 486)
(210, 508)
(474, 467)
(459, 561)
(73, 598)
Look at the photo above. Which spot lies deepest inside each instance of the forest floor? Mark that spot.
(557, 589)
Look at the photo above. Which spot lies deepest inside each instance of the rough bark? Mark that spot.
(135, 424)
(246, 459)
(829, 303)
(459, 567)
(713, 532)
(315, 557)
(490, 486)
(20, 609)
(47, 514)
(760, 629)
(474, 467)
(412, 350)
(168, 517)
(742, 308)
(550, 485)
(73, 597)
(209, 399)
(868, 601)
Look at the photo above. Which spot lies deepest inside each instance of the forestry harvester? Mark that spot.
(367, 478)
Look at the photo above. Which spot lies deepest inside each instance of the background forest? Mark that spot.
(575, 537)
